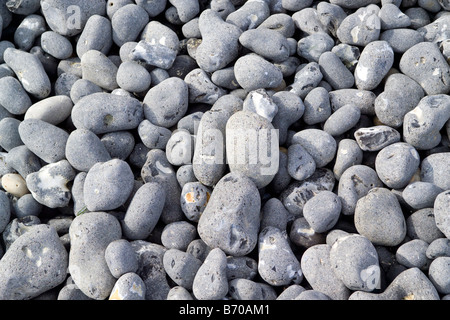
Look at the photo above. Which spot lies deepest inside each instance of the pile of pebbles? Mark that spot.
(224, 149)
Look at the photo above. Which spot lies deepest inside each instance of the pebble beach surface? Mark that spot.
(224, 150)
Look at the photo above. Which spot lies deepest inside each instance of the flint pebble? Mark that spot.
(194, 199)
(128, 287)
(322, 211)
(376, 138)
(120, 258)
(441, 212)
(412, 254)
(253, 72)
(181, 267)
(420, 195)
(432, 169)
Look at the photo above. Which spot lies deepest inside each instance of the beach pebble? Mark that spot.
(49, 186)
(391, 17)
(56, 45)
(127, 23)
(13, 98)
(432, 169)
(302, 235)
(119, 144)
(422, 225)
(120, 258)
(250, 15)
(87, 264)
(401, 39)
(28, 31)
(194, 199)
(180, 147)
(228, 222)
(274, 214)
(128, 287)
(5, 207)
(108, 185)
(439, 273)
(133, 77)
(420, 195)
(361, 27)
(348, 54)
(96, 35)
(179, 293)
(441, 212)
(342, 120)
(24, 206)
(319, 144)
(38, 251)
(245, 289)
(276, 51)
(153, 136)
(376, 138)
(412, 254)
(348, 154)
(211, 282)
(364, 99)
(178, 235)
(99, 69)
(253, 72)
(379, 217)
(306, 79)
(335, 72)
(181, 267)
(259, 102)
(290, 109)
(317, 106)
(14, 184)
(438, 248)
(313, 46)
(154, 54)
(301, 164)
(53, 110)
(9, 133)
(322, 211)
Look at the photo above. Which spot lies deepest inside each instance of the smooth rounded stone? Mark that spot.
(71, 65)
(425, 64)
(291, 292)
(157, 168)
(290, 109)
(342, 120)
(225, 78)
(104, 112)
(354, 260)
(439, 274)
(211, 282)
(99, 69)
(335, 72)
(185, 174)
(31, 27)
(24, 206)
(418, 16)
(274, 214)
(125, 51)
(190, 122)
(376, 138)
(331, 16)
(82, 88)
(322, 211)
(438, 248)
(35, 263)
(282, 178)
(391, 17)
(249, 134)
(396, 164)
(348, 54)
(261, 103)
(163, 109)
(433, 170)
(133, 77)
(186, 10)
(128, 287)
(361, 27)
(56, 45)
(317, 270)
(45, 140)
(178, 235)
(5, 210)
(410, 284)
(364, 99)
(180, 147)
(9, 133)
(298, 192)
(119, 144)
(84, 149)
(64, 83)
(242, 267)
(181, 267)
(277, 50)
(198, 249)
(353, 4)
(14, 184)
(277, 264)
(399, 91)
(53, 110)
(306, 79)
(154, 54)
(108, 185)
(302, 235)
(194, 198)
(317, 106)
(190, 29)
(23, 7)
(153, 136)
(127, 23)
(379, 217)
(71, 292)
(250, 15)
(354, 183)
(319, 144)
(374, 63)
(179, 293)
(121, 258)
(220, 42)
(422, 125)
(49, 186)
(289, 66)
(228, 222)
(90, 235)
(301, 164)
(401, 39)
(411, 254)
(307, 20)
(293, 5)
(13, 97)
(420, 195)
(441, 205)
(253, 72)
(22, 160)
(422, 225)
(4, 69)
(432, 6)
(244, 289)
(280, 22)
(18, 227)
(96, 35)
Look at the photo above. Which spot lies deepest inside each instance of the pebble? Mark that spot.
(317, 106)
(133, 77)
(28, 31)
(9, 133)
(53, 110)
(153, 136)
(194, 199)
(26, 205)
(290, 109)
(319, 144)
(128, 287)
(253, 72)
(313, 46)
(364, 99)
(120, 258)
(376, 138)
(179, 293)
(412, 254)
(119, 144)
(336, 73)
(5, 210)
(259, 102)
(178, 235)
(438, 274)
(432, 169)
(401, 39)
(127, 22)
(306, 79)
(96, 35)
(438, 248)
(302, 235)
(441, 212)
(99, 69)
(301, 164)
(322, 211)
(244, 289)
(422, 225)
(342, 120)
(13, 98)
(56, 45)
(181, 267)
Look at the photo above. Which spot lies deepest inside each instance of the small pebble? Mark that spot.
(120, 258)
(376, 138)
(438, 248)
(322, 211)
(181, 267)
(412, 254)
(128, 287)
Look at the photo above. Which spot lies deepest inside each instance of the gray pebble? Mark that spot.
(153, 136)
(13, 97)
(376, 138)
(439, 273)
(317, 106)
(364, 99)
(244, 289)
(22, 160)
(401, 40)
(335, 72)
(128, 287)
(96, 35)
(348, 54)
(379, 217)
(84, 149)
(87, 263)
(433, 169)
(391, 17)
(274, 214)
(225, 78)
(412, 254)
(133, 77)
(64, 83)
(180, 147)
(306, 79)
(317, 270)
(154, 54)
(291, 292)
(99, 69)
(5, 207)
(18, 227)
(190, 122)
(210, 282)
(290, 109)
(307, 20)
(26, 206)
(253, 72)
(31, 27)
(201, 88)
(241, 268)
(119, 144)
(282, 178)
(120, 258)
(277, 264)
(181, 267)
(312, 295)
(302, 235)
(396, 164)
(250, 15)
(418, 16)
(27, 252)
(198, 249)
(185, 174)
(322, 211)
(179, 293)
(104, 113)
(319, 144)
(234, 227)
(71, 292)
(301, 164)
(178, 235)
(49, 186)
(422, 225)
(355, 183)
(53, 110)
(280, 22)
(441, 212)
(56, 45)
(108, 185)
(194, 198)
(438, 248)
(127, 23)
(342, 120)
(331, 16)
(260, 102)
(9, 133)
(420, 195)
(277, 50)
